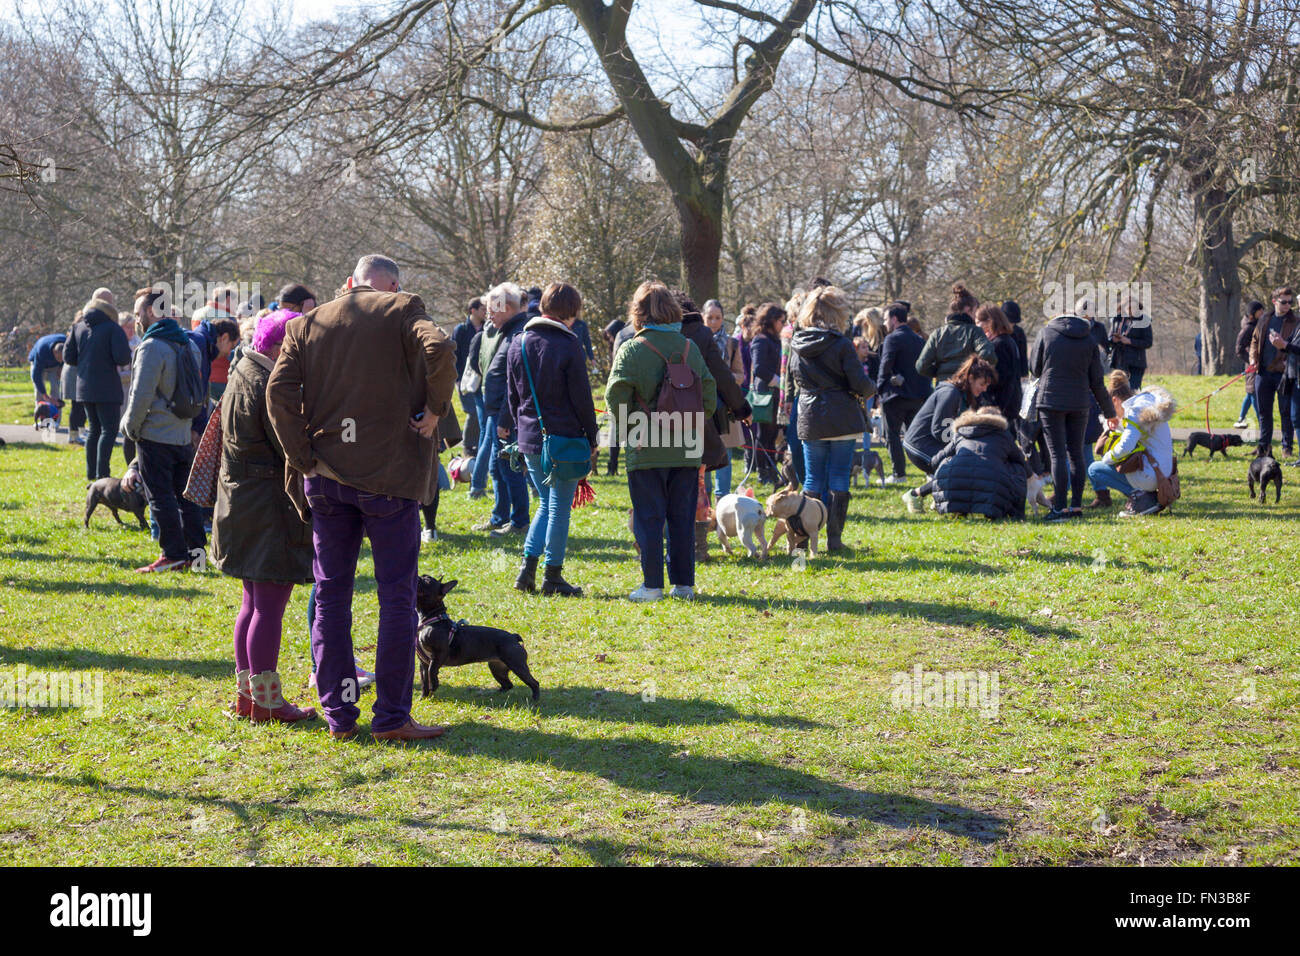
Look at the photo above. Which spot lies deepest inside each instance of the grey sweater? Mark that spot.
(153, 379)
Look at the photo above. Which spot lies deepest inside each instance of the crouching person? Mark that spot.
(982, 469)
(1143, 444)
(258, 535)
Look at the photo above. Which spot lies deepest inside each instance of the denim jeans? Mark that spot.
(486, 442)
(828, 465)
(165, 470)
(1247, 404)
(104, 419)
(1104, 476)
(722, 478)
(665, 498)
(796, 446)
(549, 532)
(340, 514)
(509, 488)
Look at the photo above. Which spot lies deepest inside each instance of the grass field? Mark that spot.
(1146, 707)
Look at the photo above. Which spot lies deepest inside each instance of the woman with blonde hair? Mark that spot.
(832, 384)
(1145, 430)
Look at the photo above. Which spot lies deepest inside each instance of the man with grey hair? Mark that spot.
(354, 400)
(505, 305)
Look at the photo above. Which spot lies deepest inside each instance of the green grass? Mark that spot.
(16, 401)
(1147, 710)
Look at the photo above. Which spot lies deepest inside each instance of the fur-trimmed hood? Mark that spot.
(987, 416)
(1151, 406)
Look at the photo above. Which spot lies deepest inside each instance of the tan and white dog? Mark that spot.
(1034, 492)
(740, 516)
(798, 517)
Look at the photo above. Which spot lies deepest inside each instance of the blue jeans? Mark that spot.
(509, 489)
(797, 455)
(549, 531)
(483, 457)
(1104, 476)
(722, 478)
(828, 465)
(1247, 404)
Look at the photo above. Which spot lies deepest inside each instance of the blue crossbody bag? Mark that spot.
(563, 459)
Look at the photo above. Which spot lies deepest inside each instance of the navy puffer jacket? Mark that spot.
(982, 470)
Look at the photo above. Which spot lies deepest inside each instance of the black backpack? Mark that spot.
(189, 398)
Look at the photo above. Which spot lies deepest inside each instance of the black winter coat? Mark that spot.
(257, 533)
(1129, 356)
(931, 427)
(1022, 345)
(559, 367)
(832, 383)
(1006, 394)
(765, 360)
(1067, 361)
(731, 400)
(97, 346)
(981, 470)
(898, 355)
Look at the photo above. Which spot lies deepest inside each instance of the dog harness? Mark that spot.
(795, 521)
(453, 625)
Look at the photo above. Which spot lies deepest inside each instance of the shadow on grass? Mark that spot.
(929, 611)
(630, 763)
(114, 589)
(599, 703)
(80, 658)
(23, 555)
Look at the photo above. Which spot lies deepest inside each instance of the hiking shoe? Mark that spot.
(684, 591)
(895, 480)
(428, 535)
(1055, 515)
(488, 525)
(505, 529)
(163, 563)
(913, 503)
(477, 492)
(1142, 503)
(644, 593)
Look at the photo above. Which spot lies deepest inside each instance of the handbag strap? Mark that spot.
(523, 353)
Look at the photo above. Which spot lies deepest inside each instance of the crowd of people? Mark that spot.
(332, 417)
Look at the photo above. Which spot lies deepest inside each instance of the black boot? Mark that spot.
(837, 512)
(527, 580)
(612, 468)
(702, 529)
(554, 584)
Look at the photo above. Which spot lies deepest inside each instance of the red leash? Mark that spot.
(1207, 398)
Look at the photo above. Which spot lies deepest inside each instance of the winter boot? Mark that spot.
(243, 705)
(554, 583)
(527, 580)
(269, 704)
(837, 512)
(702, 529)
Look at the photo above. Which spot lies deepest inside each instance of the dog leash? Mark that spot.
(1206, 399)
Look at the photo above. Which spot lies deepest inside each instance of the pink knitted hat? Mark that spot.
(270, 329)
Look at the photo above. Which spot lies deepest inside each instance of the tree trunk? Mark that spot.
(701, 223)
(1217, 261)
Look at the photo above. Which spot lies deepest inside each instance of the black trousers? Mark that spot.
(430, 511)
(1135, 377)
(104, 420)
(1063, 431)
(1270, 386)
(165, 470)
(665, 498)
(896, 415)
(469, 443)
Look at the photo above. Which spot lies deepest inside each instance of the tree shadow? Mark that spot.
(23, 555)
(600, 703)
(80, 658)
(141, 588)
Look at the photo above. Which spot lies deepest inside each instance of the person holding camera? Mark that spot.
(1130, 337)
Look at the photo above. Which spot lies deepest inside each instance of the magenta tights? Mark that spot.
(258, 625)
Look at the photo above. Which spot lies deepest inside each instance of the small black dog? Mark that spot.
(867, 462)
(1219, 443)
(1263, 470)
(441, 643)
(110, 493)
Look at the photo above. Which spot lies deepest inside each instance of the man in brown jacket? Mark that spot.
(355, 400)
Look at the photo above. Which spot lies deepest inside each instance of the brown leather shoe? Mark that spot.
(411, 731)
(343, 734)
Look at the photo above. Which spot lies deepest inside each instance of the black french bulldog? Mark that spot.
(865, 462)
(1265, 469)
(110, 493)
(1219, 443)
(442, 643)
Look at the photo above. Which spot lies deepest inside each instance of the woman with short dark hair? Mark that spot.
(548, 393)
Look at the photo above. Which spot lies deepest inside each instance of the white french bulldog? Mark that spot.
(739, 516)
